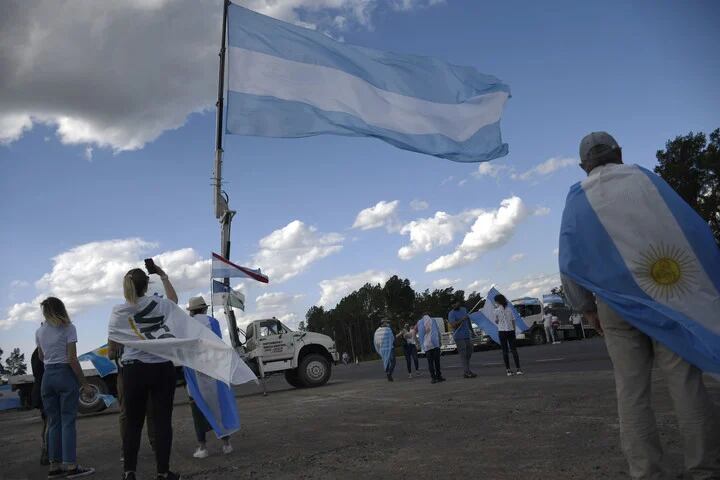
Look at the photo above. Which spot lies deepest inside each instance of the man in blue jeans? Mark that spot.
(460, 323)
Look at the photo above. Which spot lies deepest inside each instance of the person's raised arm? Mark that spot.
(169, 289)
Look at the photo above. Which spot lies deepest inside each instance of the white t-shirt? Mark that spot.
(121, 314)
(547, 320)
(504, 319)
(409, 337)
(53, 342)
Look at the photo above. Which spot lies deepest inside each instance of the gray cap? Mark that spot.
(594, 150)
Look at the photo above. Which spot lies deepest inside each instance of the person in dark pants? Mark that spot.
(505, 321)
(145, 376)
(38, 369)
(462, 333)
(429, 334)
(409, 343)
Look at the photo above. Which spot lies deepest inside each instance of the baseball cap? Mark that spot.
(595, 147)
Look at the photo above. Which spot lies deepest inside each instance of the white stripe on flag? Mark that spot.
(333, 90)
(640, 197)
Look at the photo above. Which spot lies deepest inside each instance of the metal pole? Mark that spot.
(222, 210)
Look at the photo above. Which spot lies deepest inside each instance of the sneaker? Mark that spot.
(201, 453)
(509, 373)
(409, 375)
(57, 473)
(519, 372)
(129, 476)
(467, 375)
(227, 449)
(418, 373)
(390, 378)
(168, 476)
(79, 471)
(472, 375)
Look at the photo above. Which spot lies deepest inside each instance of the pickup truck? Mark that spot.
(306, 359)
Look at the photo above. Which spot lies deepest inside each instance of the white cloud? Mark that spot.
(275, 300)
(532, 286)
(462, 182)
(118, 74)
(541, 211)
(19, 284)
(490, 230)
(447, 180)
(418, 205)
(382, 214)
(546, 168)
(480, 286)
(445, 282)
(489, 169)
(92, 273)
(517, 257)
(429, 233)
(333, 290)
(290, 250)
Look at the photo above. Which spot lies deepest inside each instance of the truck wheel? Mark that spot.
(537, 337)
(291, 376)
(98, 404)
(314, 370)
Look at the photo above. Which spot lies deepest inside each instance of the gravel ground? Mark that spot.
(559, 421)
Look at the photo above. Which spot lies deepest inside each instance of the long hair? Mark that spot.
(501, 300)
(135, 285)
(53, 309)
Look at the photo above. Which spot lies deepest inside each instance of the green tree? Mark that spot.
(15, 363)
(399, 300)
(691, 166)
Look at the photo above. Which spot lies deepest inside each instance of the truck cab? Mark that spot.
(305, 358)
(531, 310)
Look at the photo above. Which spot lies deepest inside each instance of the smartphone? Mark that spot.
(150, 266)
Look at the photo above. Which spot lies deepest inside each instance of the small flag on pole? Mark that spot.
(224, 268)
(224, 295)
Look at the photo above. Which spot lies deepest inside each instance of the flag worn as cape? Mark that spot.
(214, 398)
(628, 237)
(158, 326)
(384, 344)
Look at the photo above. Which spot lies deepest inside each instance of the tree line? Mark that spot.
(355, 318)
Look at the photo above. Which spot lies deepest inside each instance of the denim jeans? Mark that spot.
(410, 351)
(61, 395)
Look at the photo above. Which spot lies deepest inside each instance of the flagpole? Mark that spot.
(222, 210)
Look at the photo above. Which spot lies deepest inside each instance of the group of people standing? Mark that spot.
(426, 333)
(145, 383)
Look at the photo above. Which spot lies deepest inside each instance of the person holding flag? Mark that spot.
(384, 342)
(644, 269)
(212, 403)
(429, 336)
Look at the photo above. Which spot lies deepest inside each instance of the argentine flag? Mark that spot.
(489, 312)
(288, 81)
(214, 398)
(420, 327)
(629, 238)
(384, 341)
(100, 360)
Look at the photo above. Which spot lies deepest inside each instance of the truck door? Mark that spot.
(274, 340)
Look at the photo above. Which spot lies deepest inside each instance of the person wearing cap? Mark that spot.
(198, 310)
(629, 193)
(460, 322)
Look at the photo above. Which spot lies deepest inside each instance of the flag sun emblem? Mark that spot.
(666, 271)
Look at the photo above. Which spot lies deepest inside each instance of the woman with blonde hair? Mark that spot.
(60, 390)
(148, 381)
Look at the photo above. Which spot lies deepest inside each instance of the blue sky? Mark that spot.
(107, 149)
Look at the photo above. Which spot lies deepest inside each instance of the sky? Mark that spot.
(107, 127)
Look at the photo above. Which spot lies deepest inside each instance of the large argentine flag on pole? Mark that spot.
(489, 312)
(629, 238)
(288, 81)
(224, 268)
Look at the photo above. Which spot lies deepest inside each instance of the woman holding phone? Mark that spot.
(148, 381)
(62, 382)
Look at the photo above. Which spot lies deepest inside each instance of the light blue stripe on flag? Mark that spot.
(288, 81)
(520, 325)
(100, 361)
(214, 398)
(479, 319)
(594, 258)
(434, 333)
(384, 343)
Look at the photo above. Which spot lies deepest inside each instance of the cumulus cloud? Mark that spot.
(290, 250)
(429, 233)
(418, 205)
(19, 284)
(285, 307)
(118, 74)
(445, 282)
(382, 214)
(490, 230)
(275, 300)
(333, 290)
(546, 168)
(541, 211)
(92, 273)
(517, 257)
(533, 286)
(480, 286)
(489, 169)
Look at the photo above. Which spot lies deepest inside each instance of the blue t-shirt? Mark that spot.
(463, 331)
